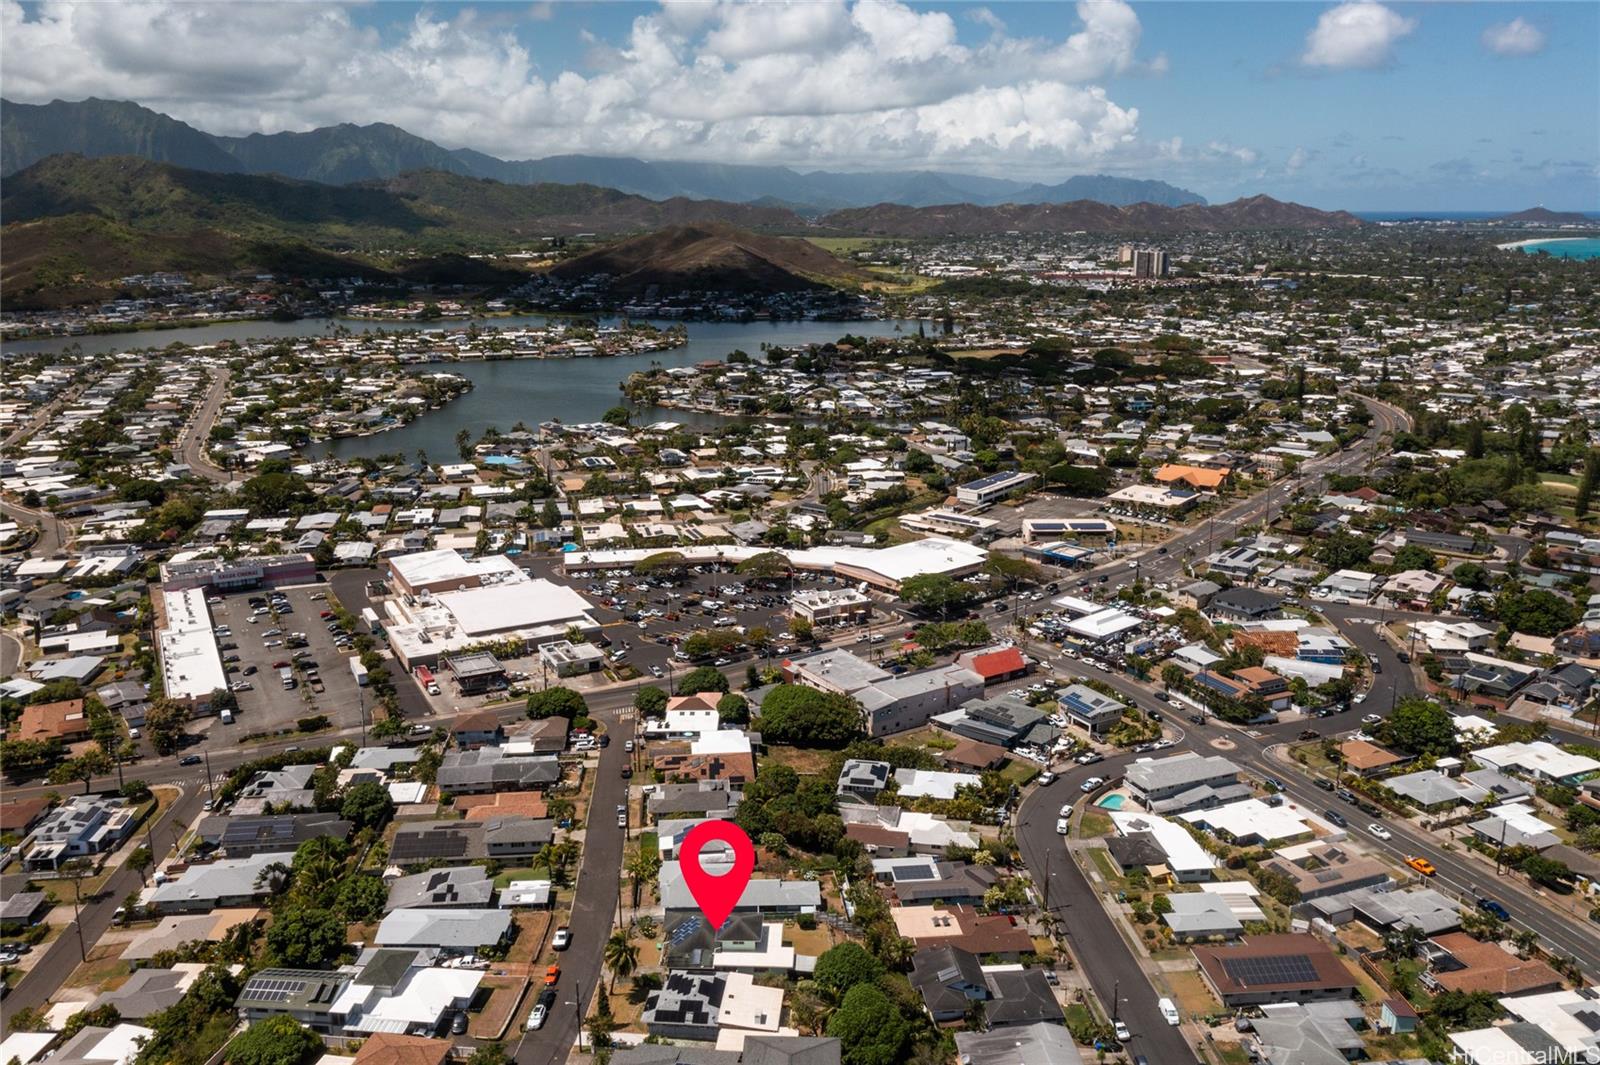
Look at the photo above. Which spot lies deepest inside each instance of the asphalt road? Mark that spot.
(595, 897)
(192, 448)
(1106, 957)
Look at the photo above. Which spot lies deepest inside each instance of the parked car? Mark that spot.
(1061, 826)
(1493, 907)
(1121, 1028)
(458, 1023)
(1325, 785)
(1046, 779)
(551, 975)
(536, 1018)
(562, 939)
(1090, 784)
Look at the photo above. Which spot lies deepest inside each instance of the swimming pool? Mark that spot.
(1111, 802)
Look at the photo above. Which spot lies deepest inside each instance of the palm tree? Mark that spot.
(621, 956)
(275, 878)
(1525, 940)
(641, 868)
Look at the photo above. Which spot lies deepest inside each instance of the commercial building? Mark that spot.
(994, 487)
(488, 604)
(1095, 531)
(448, 570)
(829, 607)
(191, 665)
(889, 703)
(566, 659)
(223, 575)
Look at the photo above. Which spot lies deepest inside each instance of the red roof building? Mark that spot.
(995, 664)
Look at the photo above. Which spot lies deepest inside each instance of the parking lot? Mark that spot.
(262, 635)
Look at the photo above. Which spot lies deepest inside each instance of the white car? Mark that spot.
(1371, 719)
(561, 940)
(1061, 826)
(1123, 1035)
(1046, 779)
(536, 1018)
(1379, 831)
(1066, 809)
(1360, 698)
(1090, 784)
(1088, 758)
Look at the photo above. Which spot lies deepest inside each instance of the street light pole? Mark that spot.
(210, 783)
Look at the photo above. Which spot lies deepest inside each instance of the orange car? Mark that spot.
(551, 975)
(1422, 865)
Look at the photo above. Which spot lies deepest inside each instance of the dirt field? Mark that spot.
(506, 995)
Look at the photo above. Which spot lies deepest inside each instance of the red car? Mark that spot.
(279, 665)
(325, 615)
(551, 975)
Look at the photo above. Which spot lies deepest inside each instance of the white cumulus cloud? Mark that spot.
(1358, 35)
(817, 82)
(1519, 37)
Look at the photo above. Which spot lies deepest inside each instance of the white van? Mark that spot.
(226, 715)
(1169, 1010)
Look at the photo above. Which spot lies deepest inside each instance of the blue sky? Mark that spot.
(1360, 105)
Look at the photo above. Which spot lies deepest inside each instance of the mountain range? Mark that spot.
(74, 224)
(345, 153)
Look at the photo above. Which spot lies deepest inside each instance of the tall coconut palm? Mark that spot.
(620, 955)
(275, 878)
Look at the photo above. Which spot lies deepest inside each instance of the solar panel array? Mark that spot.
(1276, 969)
(272, 989)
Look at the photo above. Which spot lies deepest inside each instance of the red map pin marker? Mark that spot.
(716, 895)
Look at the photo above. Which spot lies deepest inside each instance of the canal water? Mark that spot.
(503, 392)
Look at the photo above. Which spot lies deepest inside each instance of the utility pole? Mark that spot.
(210, 783)
(1116, 999)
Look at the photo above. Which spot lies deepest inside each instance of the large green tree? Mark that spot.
(870, 1029)
(937, 593)
(306, 938)
(702, 679)
(279, 1040)
(367, 805)
(557, 702)
(796, 714)
(843, 966)
(1420, 726)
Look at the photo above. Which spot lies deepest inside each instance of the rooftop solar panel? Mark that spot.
(1281, 969)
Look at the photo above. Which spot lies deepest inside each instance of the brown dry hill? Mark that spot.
(713, 257)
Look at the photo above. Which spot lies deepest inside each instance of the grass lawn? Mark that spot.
(1019, 771)
(535, 872)
(1102, 861)
(1095, 825)
(649, 843)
